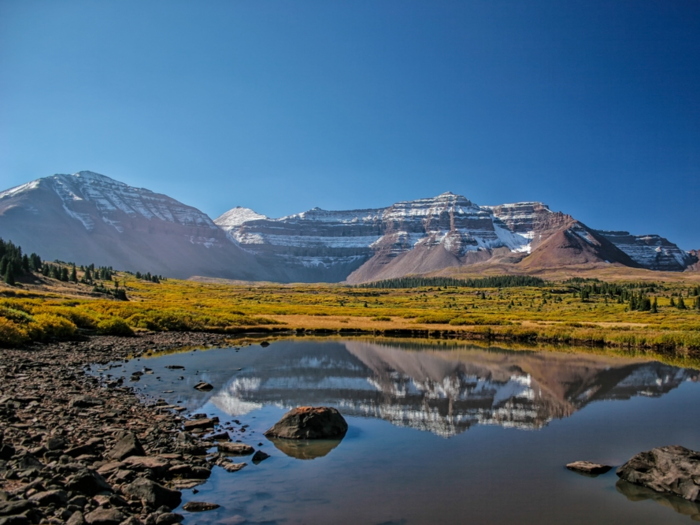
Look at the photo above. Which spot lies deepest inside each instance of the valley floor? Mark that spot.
(560, 313)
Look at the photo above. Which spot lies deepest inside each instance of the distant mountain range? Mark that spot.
(87, 217)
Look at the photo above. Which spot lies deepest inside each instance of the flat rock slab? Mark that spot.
(203, 386)
(310, 423)
(199, 506)
(147, 462)
(231, 467)
(201, 423)
(240, 449)
(671, 470)
(587, 467)
(103, 516)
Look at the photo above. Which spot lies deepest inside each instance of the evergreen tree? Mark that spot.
(654, 307)
(73, 275)
(673, 303)
(681, 303)
(9, 275)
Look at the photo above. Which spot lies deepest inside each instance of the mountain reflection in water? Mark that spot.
(441, 391)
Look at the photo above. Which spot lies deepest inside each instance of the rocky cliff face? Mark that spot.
(87, 217)
(650, 251)
(420, 236)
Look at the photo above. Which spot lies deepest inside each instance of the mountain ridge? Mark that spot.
(90, 217)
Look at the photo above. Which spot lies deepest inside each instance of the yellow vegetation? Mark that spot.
(534, 315)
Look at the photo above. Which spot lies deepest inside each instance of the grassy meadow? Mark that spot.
(559, 313)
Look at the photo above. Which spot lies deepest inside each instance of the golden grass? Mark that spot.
(535, 315)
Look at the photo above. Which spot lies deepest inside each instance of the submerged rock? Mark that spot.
(586, 467)
(310, 423)
(670, 470)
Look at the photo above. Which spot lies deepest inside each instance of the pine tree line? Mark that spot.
(14, 264)
(148, 277)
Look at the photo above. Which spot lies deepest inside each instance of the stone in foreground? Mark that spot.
(671, 470)
(127, 445)
(103, 516)
(199, 506)
(152, 493)
(310, 423)
(587, 467)
(240, 449)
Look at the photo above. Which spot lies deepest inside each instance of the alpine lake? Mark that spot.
(439, 433)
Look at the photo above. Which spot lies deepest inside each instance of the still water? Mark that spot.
(437, 434)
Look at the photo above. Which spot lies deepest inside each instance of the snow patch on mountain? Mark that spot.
(236, 217)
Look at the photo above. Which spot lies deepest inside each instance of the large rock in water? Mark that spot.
(671, 470)
(310, 423)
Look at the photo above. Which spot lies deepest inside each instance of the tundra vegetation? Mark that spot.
(665, 316)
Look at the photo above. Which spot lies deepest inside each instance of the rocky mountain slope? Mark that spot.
(428, 235)
(87, 217)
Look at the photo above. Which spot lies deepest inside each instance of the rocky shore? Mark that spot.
(74, 450)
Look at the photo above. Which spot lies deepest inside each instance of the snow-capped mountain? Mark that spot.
(87, 217)
(427, 235)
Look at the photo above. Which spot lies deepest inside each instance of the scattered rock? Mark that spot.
(671, 470)
(240, 449)
(199, 506)
(76, 519)
(310, 423)
(57, 497)
(68, 439)
(86, 402)
(153, 493)
(203, 386)
(229, 466)
(126, 446)
(167, 518)
(259, 456)
(586, 467)
(104, 516)
(87, 482)
(201, 423)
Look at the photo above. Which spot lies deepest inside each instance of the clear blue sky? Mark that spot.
(590, 106)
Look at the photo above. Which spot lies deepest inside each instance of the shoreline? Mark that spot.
(61, 431)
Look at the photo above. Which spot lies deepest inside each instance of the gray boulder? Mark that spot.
(672, 470)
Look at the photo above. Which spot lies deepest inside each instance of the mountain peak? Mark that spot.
(236, 217)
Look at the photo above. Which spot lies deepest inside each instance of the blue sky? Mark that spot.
(590, 106)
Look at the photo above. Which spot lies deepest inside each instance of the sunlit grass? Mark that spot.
(518, 314)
